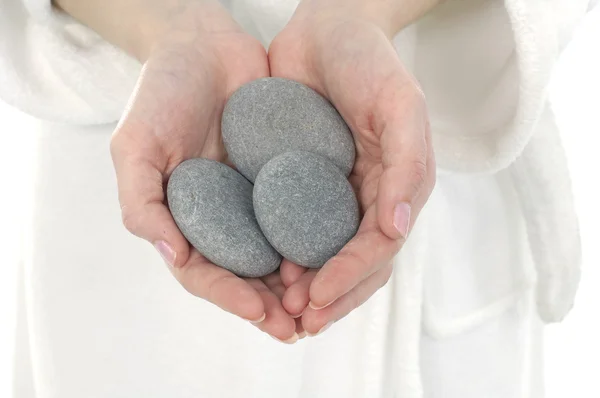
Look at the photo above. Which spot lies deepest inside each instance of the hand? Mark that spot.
(175, 114)
(348, 57)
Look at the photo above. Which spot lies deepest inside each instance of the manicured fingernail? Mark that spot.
(315, 307)
(259, 320)
(291, 340)
(402, 218)
(166, 252)
(302, 334)
(323, 329)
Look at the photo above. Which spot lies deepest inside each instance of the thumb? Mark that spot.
(138, 164)
(408, 169)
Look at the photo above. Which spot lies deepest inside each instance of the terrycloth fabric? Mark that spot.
(484, 67)
(551, 223)
(56, 69)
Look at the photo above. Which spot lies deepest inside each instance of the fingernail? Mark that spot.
(259, 320)
(291, 340)
(302, 334)
(314, 307)
(166, 252)
(300, 314)
(402, 218)
(323, 329)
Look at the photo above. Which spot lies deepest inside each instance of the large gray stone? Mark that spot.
(212, 206)
(306, 207)
(271, 116)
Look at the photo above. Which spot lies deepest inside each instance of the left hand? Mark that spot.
(349, 58)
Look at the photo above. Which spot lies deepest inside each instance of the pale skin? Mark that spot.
(194, 57)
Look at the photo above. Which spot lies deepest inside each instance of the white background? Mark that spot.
(572, 348)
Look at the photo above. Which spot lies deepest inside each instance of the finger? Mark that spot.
(277, 322)
(404, 147)
(300, 329)
(142, 197)
(274, 282)
(290, 272)
(369, 251)
(317, 321)
(203, 279)
(296, 297)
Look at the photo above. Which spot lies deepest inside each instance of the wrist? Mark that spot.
(197, 22)
(139, 26)
(390, 16)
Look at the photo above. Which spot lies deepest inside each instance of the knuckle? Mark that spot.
(130, 219)
(356, 259)
(117, 142)
(418, 173)
(209, 293)
(127, 138)
(193, 286)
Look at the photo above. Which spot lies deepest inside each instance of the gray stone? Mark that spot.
(212, 206)
(271, 116)
(306, 207)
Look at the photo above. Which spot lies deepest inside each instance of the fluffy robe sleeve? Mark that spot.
(485, 67)
(56, 69)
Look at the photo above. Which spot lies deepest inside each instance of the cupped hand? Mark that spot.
(351, 61)
(173, 115)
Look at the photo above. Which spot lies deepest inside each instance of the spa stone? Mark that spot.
(212, 206)
(306, 207)
(271, 116)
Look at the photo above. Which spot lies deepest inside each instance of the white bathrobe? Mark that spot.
(494, 254)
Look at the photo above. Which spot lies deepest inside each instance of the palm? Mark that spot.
(175, 115)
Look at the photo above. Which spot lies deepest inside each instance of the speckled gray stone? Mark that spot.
(271, 116)
(212, 206)
(306, 207)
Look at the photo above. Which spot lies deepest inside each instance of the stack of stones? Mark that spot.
(290, 196)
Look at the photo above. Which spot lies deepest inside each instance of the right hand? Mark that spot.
(175, 114)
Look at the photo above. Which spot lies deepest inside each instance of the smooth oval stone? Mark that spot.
(271, 116)
(212, 206)
(306, 207)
